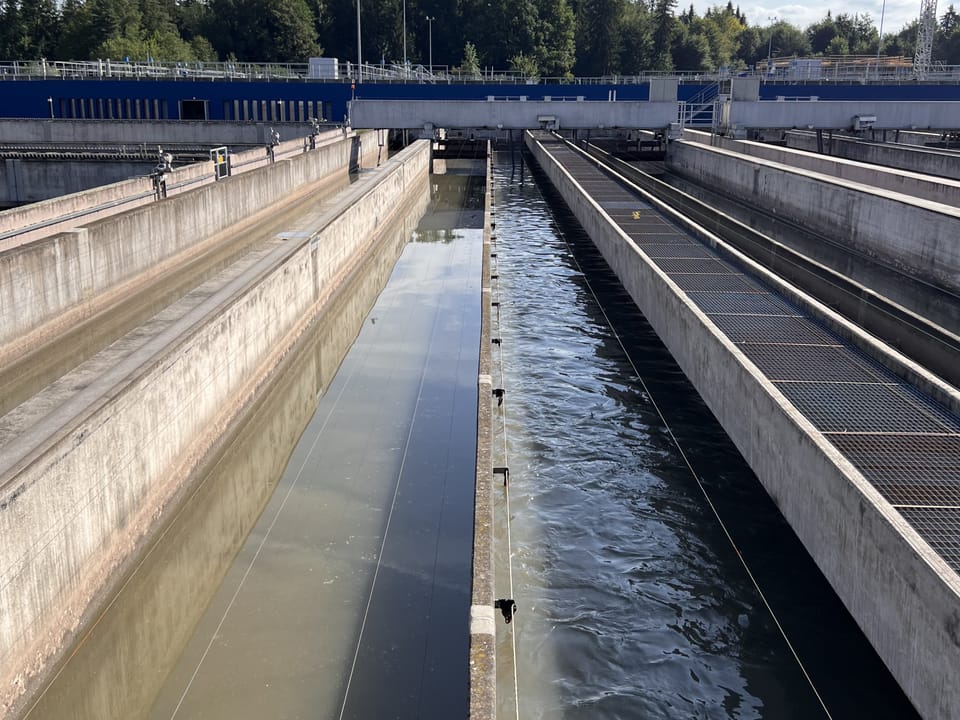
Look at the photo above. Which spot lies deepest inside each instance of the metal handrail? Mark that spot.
(824, 69)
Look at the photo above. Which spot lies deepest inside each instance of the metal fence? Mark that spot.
(843, 69)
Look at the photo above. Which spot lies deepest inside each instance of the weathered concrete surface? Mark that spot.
(147, 132)
(904, 597)
(82, 487)
(46, 217)
(48, 284)
(916, 236)
(511, 113)
(153, 618)
(912, 159)
(927, 187)
(483, 669)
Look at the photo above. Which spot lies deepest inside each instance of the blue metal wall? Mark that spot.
(108, 98)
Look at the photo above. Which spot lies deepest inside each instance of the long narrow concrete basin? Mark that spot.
(913, 159)
(903, 596)
(57, 281)
(81, 489)
(916, 236)
(915, 184)
(57, 203)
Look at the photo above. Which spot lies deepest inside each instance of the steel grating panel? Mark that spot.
(857, 407)
(694, 265)
(676, 250)
(940, 527)
(814, 363)
(908, 457)
(628, 223)
(903, 443)
(733, 303)
(659, 237)
(772, 329)
(734, 282)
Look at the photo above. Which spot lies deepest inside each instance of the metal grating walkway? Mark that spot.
(905, 444)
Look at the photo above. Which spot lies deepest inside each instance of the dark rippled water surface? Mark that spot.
(632, 601)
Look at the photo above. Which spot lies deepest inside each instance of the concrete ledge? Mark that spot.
(483, 670)
(21, 225)
(59, 278)
(73, 506)
(915, 184)
(914, 235)
(913, 159)
(207, 523)
(902, 594)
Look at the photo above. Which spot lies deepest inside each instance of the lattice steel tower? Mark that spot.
(922, 61)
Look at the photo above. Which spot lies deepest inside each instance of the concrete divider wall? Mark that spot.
(74, 505)
(483, 626)
(905, 158)
(903, 596)
(42, 280)
(931, 188)
(153, 619)
(914, 235)
(146, 132)
(103, 200)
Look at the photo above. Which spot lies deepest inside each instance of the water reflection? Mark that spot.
(121, 663)
(632, 602)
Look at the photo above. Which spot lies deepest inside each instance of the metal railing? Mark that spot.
(823, 69)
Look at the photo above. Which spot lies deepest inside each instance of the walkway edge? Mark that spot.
(483, 669)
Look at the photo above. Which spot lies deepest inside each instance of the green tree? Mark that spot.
(263, 30)
(859, 32)
(665, 28)
(787, 40)
(598, 36)
(470, 65)
(29, 29)
(821, 34)
(690, 50)
(722, 30)
(556, 50)
(636, 53)
(524, 65)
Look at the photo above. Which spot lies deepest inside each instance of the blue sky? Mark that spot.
(897, 14)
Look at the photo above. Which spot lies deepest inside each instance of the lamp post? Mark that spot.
(359, 52)
(50, 104)
(404, 38)
(430, 36)
(770, 46)
(883, 9)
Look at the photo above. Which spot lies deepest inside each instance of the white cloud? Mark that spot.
(896, 14)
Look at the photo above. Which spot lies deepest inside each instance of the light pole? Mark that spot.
(770, 46)
(359, 52)
(880, 37)
(404, 38)
(50, 104)
(430, 35)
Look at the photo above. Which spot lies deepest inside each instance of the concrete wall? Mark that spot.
(27, 181)
(914, 184)
(40, 219)
(904, 596)
(483, 626)
(912, 159)
(511, 113)
(914, 235)
(74, 505)
(58, 278)
(153, 618)
(139, 133)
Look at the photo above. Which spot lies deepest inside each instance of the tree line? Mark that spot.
(548, 38)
